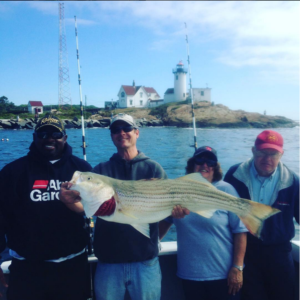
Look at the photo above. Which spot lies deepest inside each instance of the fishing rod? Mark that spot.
(191, 91)
(80, 92)
(89, 221)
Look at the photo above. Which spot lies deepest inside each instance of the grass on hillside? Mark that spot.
(64, 114)
(162, 109)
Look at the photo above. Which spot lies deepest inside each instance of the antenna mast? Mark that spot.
(64, 96)
(191, 90)
(80, 92)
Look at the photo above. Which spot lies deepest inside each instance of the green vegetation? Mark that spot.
(162, 109)
(9, 110)
(128, 110)
(5, 105)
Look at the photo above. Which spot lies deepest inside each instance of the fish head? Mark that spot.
(94, 189)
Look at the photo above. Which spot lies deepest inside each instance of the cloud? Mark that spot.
(162, 45)
(253, 33)
(84, 22)
(47, 7)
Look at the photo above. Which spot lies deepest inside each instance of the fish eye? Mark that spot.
(89, 178)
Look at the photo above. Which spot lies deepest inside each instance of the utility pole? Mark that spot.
(64, 95)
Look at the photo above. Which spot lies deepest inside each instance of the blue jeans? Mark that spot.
(141, 279)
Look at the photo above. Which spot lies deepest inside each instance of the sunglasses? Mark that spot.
(116, 130)
(202, 161)
(54, 135)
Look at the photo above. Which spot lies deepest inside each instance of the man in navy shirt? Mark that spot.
(269, 272)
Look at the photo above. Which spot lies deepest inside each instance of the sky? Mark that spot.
(247, 52)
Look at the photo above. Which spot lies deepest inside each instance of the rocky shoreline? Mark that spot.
(207, 116)
(30, 123)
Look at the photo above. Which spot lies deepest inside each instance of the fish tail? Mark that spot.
(256, 215)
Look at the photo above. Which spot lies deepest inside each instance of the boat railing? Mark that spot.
(171, 284)
(167, 248)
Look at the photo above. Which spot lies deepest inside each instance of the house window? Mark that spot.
(202, 93)
(141, 102)
(141, 94)
(122, 94)
(183, 94)
(176, 77)
(130, 102)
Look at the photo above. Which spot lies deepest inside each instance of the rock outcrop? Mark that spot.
(180, 115)
(221, 116)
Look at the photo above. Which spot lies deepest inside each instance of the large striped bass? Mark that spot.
(141, 202)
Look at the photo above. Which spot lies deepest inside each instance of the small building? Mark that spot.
(137, 96)
(35, 107)
(110, 104)
(154, 103)
(201, 94)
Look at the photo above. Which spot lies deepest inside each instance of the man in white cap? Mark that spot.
(127, 260)
(269, 269)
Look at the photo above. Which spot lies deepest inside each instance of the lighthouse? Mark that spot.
(179, 82)
(179, 93)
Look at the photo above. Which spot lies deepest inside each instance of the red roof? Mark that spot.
(180, 63)
(36, 103)
(131, 90)
(150, 90)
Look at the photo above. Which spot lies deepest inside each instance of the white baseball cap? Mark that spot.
(125, 118)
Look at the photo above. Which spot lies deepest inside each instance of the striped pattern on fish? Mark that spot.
(141, 202)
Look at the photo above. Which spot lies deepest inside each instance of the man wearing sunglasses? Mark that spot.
(127, 260)
(269, 271)
(47, 241)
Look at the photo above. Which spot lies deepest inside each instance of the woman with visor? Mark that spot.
(210, 255)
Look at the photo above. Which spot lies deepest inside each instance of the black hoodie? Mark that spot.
(37, 224)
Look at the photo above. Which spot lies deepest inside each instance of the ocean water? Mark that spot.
(169, 146)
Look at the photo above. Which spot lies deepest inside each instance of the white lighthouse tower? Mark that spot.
(179, 82)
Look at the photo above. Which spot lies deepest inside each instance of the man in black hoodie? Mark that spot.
(47, 241)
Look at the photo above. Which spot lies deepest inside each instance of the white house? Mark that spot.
(137, 96)
(35, 107)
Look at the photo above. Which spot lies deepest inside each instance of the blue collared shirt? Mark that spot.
(263, 187)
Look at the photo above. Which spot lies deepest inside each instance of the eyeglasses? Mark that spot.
(272, 155)
(116, 130)
(54, 135)
(202, 161)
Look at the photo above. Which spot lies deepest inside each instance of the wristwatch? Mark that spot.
(240, 268)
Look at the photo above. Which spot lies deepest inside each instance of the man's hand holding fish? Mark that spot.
(70, 198)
